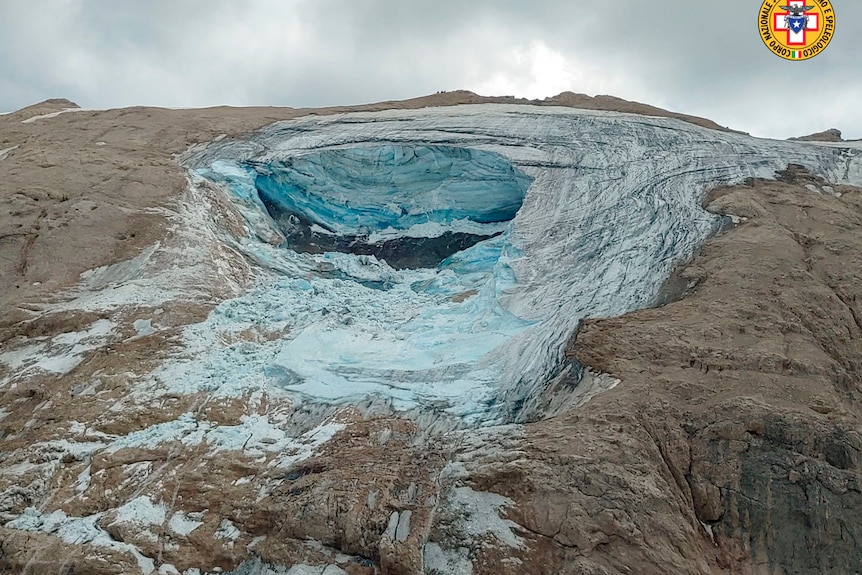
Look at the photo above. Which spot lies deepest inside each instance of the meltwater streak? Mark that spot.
(613, 205)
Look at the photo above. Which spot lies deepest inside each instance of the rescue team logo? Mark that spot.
(796, 29)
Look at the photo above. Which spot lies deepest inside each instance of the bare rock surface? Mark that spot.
(723, 437)
(830, 135)
(753, 380)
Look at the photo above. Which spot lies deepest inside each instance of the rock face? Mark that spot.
(759, 368)
(830, 135)
(716, 433)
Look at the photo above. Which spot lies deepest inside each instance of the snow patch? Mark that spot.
(18, 468)
(120, 272)
(307, 444)
(181, 270)
(710, 532)
(58, 355)
(83, 481)
(78, 531)
(227, 530)
(58, 449)
(256, 435)
(17, 358)
(479, 513)
(5, 152)
(141, 511)
(257, 567)
(439, 561)
(50, 115)
(76, 344)
(181, 524)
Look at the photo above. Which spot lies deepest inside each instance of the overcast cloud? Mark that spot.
(693, 56)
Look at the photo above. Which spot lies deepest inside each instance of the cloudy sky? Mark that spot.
(702, 57)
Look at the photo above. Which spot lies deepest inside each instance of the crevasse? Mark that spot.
(526, 219)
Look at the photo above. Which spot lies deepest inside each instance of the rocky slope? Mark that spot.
(749, 386)
(721, 435)
(830, 135)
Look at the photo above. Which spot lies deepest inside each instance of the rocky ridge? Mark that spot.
(830, 135)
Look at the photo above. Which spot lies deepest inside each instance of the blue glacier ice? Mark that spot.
(411, 205)
(572, 214)
(365, 189)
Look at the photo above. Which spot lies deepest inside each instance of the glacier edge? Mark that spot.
(614, 204)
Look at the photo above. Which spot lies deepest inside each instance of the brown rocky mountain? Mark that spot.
(830, 135)
(715, 429)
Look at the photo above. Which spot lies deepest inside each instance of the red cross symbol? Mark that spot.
(797, 38)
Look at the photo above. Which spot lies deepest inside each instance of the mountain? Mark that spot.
(830, 135)
(453, 334)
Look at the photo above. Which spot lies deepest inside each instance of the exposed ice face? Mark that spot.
(365, 189)
(410, 205)
(613, 204)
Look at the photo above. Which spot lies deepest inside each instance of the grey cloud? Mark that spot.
(697, 57)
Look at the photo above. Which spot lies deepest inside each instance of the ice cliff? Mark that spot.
(441, 258)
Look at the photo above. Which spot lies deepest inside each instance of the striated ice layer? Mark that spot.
(591, 210)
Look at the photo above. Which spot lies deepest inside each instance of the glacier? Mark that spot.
(440, 259)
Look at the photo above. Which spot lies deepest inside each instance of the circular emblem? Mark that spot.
(796, 29)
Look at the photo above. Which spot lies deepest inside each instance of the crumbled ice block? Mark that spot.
(591, 210)
(181, 524)
(144, 327)
(227, 530)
